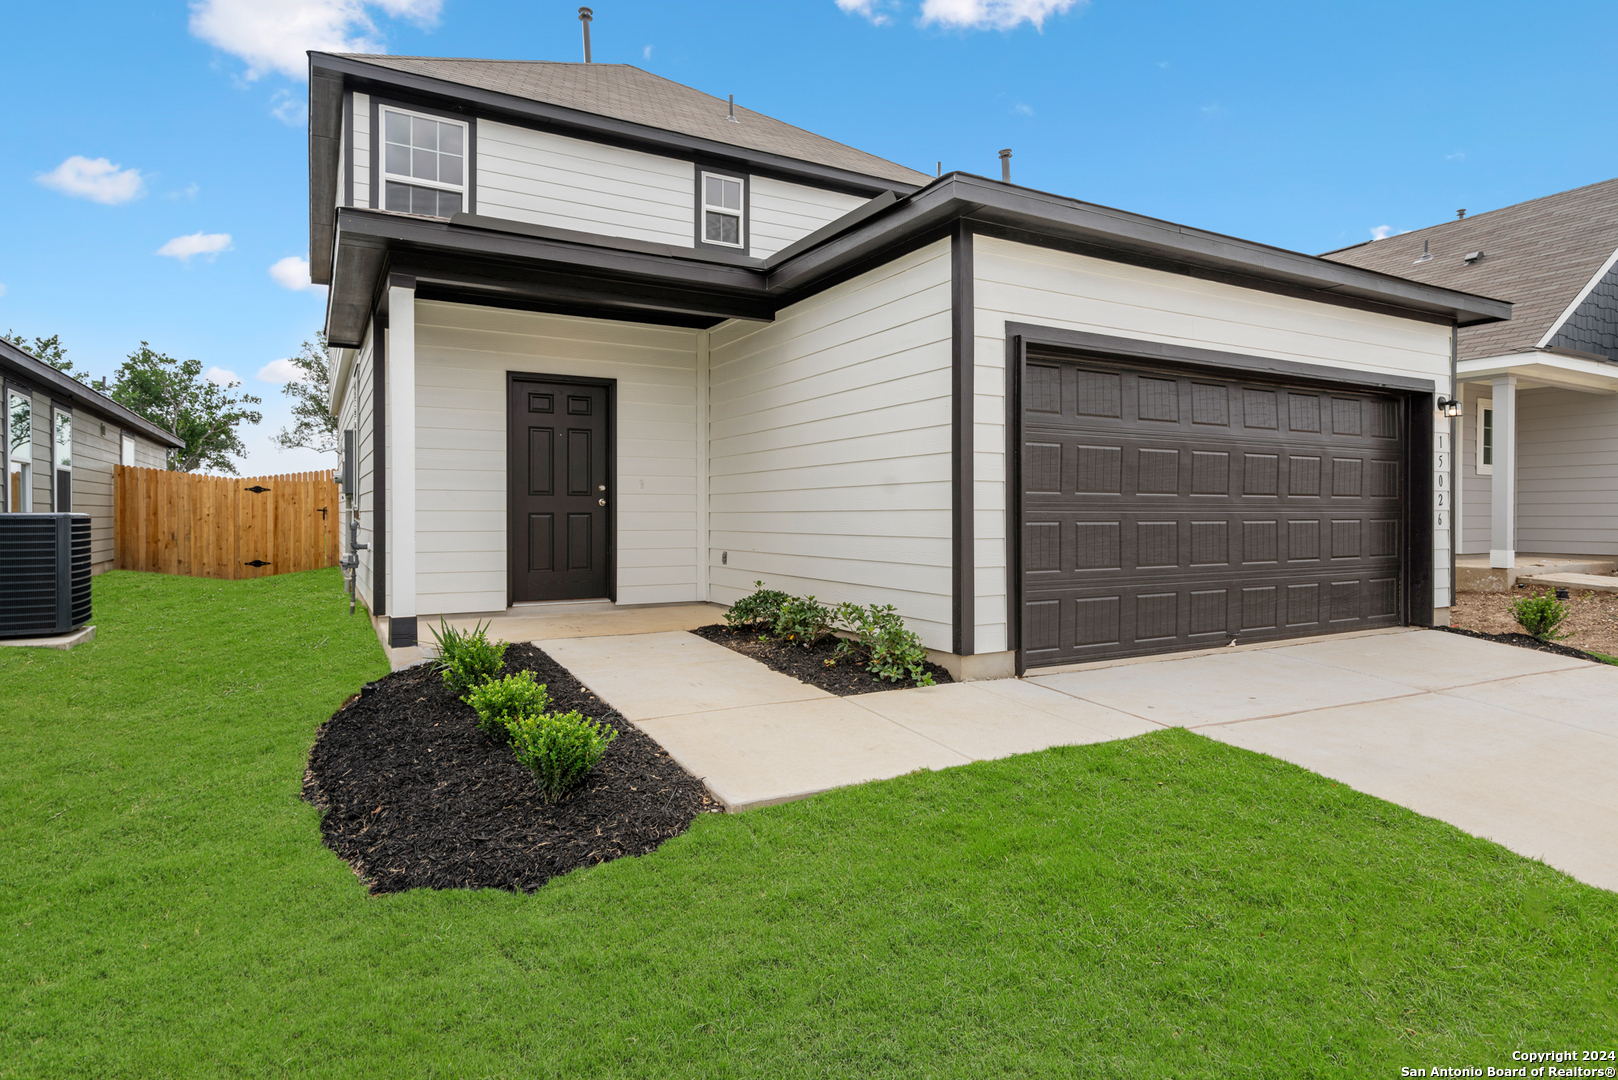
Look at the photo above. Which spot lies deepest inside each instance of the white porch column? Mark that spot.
(703, 541)
(401, 413)
(1503, 489)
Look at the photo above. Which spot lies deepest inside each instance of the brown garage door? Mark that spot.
(1165, 509)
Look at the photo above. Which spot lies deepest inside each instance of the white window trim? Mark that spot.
(57, 468)
(1484, 405)
(705, 207)
(382, 152)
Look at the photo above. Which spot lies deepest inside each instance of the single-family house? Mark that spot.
(59, 441)
(598, 335)
(1537, 477)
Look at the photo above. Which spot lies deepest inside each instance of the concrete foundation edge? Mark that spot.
(64, 642)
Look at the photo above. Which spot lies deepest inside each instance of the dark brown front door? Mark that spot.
(1167, 509)
(559, 522)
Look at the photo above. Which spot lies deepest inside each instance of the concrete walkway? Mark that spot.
(1507, 743)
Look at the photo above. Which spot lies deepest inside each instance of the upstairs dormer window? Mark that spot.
(722, 204)
(424, 164)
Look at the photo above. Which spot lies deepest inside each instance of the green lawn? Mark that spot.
(1164, 906)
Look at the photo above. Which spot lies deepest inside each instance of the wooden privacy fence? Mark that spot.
(223, 526)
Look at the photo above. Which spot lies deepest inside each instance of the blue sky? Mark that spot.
(1306, 125)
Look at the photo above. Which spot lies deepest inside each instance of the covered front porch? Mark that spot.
(1537, 483)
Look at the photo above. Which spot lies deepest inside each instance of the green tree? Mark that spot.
(48, 349)
(314, 427)
(173, 394)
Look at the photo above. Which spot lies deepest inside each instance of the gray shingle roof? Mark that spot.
(1537, 254)
(624, 92)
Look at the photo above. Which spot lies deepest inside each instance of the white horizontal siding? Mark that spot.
(361, 394)
(783, 213)
(463, 354)
(829, 446)
(546, 179)
(362, 150)
(1019, 283)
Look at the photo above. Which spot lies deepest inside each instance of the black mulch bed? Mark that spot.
(1522, 641)
(416, 796)
(847, 676)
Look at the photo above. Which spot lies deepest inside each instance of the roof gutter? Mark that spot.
(65, 386)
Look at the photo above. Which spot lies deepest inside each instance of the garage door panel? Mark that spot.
(1075, 625)
(1080, 545)
(1056, 467)
(1168, 510)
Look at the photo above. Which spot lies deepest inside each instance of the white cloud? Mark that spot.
(273, 35)
(292, 273)
(646, 53)
(289, 108)
(221, 377)
(870, 9)
(189, 192)
(184, 247)
(1382, 232)
(1459, 155)
(96, 179)
(2, 288)
(282, 371)
(1023, 109)
(989, 14)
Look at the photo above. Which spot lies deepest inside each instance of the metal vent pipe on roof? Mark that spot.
(1005, 166)
(732, 116)
(585, 15)
(1459, 214)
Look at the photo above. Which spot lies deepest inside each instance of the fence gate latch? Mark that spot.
(257, 489)
(322, 513)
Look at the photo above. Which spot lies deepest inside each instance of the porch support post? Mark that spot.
(704, 543)
(1503, 490)
(402, 457)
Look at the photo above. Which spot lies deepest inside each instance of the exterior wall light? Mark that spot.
(1449, 406)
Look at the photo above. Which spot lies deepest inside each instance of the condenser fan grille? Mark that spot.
(44, 574)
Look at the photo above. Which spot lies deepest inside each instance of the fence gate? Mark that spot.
(223, 526)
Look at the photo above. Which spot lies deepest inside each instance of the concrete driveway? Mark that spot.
(1514, 745)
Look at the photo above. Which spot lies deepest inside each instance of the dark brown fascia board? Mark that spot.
(325, 165)
(745, 290)
(446, 255)
(64, 387)
(327, 75)
(1116, 232)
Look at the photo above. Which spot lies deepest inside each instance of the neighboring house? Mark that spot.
(59, 440)
(1538, 452)
(596, 336)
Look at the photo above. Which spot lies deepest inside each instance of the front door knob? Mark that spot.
(601, 502)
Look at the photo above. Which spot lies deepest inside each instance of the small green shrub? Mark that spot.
(560, 750)
(1540, 616)
(802, 621)
(759, 609)
(467, 657)
(500, 703)
(892, 652)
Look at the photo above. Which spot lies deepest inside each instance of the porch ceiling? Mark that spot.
(1540, 368)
